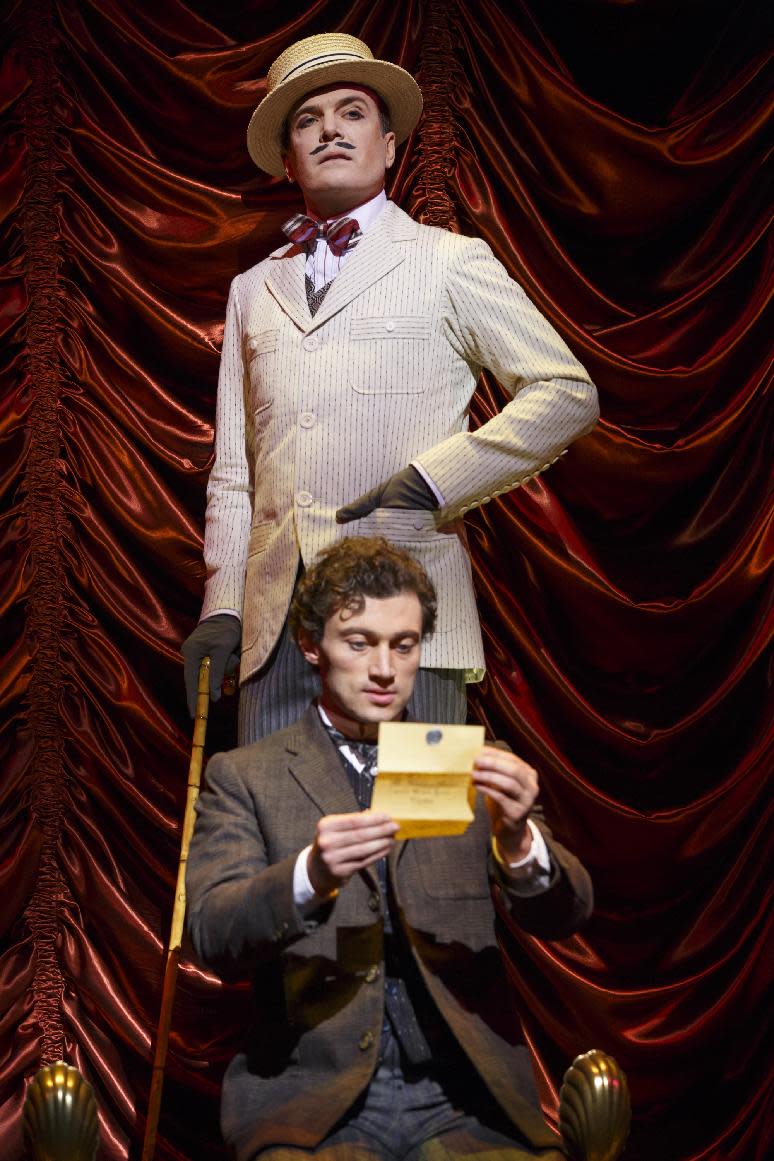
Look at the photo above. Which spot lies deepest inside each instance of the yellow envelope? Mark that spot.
(423, 776)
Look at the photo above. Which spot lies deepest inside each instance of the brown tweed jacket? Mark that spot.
(311, 1045)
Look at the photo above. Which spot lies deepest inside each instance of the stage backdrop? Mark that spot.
(613, 155)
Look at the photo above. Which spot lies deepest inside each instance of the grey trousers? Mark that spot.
(405, 1118)
(279, 693)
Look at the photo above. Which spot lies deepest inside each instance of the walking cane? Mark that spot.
(178, 913)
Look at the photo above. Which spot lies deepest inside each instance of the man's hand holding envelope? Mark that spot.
(427, 781)
(428, 776)
(509, 786)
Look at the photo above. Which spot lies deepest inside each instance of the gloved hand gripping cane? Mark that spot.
(178, 912)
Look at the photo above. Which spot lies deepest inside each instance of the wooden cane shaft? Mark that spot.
(189, 817)
(160, 1056)
(178, 913)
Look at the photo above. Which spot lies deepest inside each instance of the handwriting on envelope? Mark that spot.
(424, 776)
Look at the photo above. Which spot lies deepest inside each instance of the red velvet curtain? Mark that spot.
(614, 155)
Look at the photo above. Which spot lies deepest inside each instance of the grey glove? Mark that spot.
(218, 637)
(406, 489)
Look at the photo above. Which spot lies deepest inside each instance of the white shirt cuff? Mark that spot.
(303, 891)
(531, 874)
(305, 897)
(436, 492)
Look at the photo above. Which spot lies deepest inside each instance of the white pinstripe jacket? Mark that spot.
(312, 412)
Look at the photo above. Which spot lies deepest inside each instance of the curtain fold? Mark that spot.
(614, 157)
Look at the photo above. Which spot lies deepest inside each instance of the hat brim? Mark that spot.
(397, 88)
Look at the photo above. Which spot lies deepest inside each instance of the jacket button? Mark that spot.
(311, 343)
(304, 499)
(365, 1041)
(389, 325)
(373, 902)
(372, 973)
(307, 419)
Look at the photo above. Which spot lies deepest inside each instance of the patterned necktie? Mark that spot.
(341, 235)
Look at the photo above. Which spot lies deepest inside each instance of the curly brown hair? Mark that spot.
(345, 574)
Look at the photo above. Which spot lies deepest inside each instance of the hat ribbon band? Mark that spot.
(315, 60)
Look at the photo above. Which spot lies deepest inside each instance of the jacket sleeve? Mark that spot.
(565, 904)
(240, 907)
(230, 487)
(492, 323)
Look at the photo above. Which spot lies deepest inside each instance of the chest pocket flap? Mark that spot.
(389, 354)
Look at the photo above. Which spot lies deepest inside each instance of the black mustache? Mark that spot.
(329, 144)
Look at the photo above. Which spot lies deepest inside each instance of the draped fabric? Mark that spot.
(614, 156)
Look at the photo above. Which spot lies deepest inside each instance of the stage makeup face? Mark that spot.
(337, 149)
(368, 661)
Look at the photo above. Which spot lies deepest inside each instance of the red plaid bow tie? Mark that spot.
(340, 235)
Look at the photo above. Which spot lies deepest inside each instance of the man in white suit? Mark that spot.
(350, 356)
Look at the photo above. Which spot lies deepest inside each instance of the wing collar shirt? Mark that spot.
(322, 265)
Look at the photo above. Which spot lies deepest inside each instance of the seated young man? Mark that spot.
(382, 1023)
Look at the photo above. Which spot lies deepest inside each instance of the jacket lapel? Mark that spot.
(316, 766)
(285, 282)
(379, 252)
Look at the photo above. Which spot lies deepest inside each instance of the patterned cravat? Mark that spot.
(315, 297)
(365, 754)
(341, 235)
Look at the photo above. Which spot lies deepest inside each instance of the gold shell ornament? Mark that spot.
(60, 1115)
(594, 1108)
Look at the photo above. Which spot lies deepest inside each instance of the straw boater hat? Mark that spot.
(314, 63)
